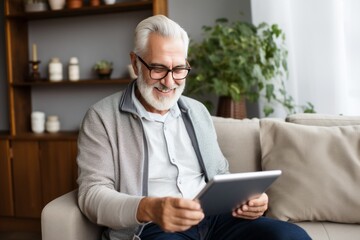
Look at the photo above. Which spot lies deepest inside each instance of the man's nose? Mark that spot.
(168, 80)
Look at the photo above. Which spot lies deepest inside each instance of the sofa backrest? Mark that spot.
(239, 140)
(240, 143)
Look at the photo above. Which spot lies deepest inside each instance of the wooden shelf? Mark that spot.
(86, 10)
(82, 82)
(70, 135)
(4, 134)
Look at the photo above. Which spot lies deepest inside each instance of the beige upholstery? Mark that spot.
(229, 133)
(61, 219)
(331, 231)
(240, 143)
(318, 163)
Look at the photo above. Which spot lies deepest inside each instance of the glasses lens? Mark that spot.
(177, 73)
(180, 73)
(158, 73)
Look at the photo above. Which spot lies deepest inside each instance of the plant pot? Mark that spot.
(229, 108)
(104, 73)
(74, 3)
(95, 3)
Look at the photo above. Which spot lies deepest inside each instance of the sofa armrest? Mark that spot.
(62, 219)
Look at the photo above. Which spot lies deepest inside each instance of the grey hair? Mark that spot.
(161, 25)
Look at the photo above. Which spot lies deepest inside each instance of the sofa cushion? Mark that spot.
(323, 119)
(239, 142)
(331, 231)
(321, 171)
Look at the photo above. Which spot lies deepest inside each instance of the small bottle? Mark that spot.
(74, 69)
(38, 122)
(52, 124)
(55, 70)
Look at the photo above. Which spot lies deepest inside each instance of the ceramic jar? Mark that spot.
(109, 2)
(37, 122)
(57, 4)
(52, 124)
(55, 70)
(74, 69)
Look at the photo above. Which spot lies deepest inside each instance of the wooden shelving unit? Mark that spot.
(36, 168)
(87, 82)
(85, 11)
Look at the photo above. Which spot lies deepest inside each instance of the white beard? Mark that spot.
(162, 103)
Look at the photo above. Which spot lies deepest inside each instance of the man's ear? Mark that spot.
(133, 59)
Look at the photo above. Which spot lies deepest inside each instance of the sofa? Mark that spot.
(319, 156)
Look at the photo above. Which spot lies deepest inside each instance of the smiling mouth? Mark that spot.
(164, 89)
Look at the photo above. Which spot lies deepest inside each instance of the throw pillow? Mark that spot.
(321, 171)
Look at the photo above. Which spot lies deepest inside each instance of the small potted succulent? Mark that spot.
(103, 68)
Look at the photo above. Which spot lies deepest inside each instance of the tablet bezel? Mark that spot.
(218, 195)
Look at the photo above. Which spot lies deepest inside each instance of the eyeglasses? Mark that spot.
(158, 73)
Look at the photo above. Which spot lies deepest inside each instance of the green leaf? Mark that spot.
(268, 110)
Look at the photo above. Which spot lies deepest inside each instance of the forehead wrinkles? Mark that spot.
(165, 50)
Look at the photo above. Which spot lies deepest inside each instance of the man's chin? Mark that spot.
(163, 106)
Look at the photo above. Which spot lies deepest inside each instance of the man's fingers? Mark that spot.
(259, 201)
(247, 208)
(247, 215)
(186, 204)
(179, 214)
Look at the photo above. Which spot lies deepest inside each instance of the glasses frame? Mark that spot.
(150, 68)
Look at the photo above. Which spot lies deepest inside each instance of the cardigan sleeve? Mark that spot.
(98, 199)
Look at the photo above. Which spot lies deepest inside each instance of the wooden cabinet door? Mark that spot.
(6, 199)
(27, 181)
(43, 171)
(58, 168)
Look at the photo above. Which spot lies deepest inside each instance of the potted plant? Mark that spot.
(239, 61)
(103, 68)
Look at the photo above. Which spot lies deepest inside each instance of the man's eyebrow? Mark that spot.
(163, 66)
(157, 65)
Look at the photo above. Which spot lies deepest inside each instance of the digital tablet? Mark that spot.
(225, 192)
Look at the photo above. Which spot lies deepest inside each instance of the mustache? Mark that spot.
(162, 87)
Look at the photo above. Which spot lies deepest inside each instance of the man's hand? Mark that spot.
(253, 209)
(171, 214)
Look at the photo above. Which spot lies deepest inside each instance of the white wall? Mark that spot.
(193, 14)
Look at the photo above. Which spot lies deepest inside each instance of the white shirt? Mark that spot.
(173, 166)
